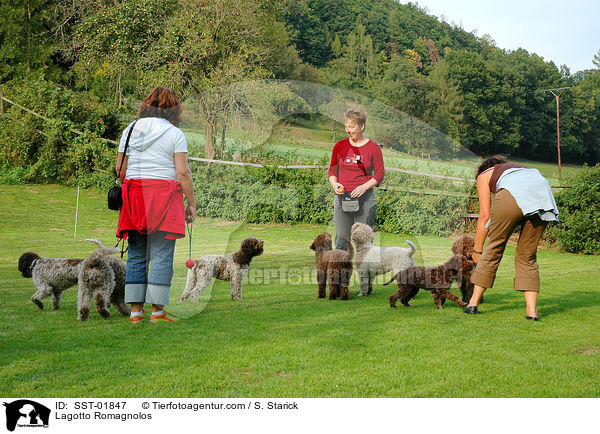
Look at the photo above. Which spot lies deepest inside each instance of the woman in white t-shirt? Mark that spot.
(155, 177)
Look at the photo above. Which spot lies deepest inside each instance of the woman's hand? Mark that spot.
(476, 257)
(190, 213)
(361, 189)
(337, 188)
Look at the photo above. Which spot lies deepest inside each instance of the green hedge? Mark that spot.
(579, 208)
(272, 195)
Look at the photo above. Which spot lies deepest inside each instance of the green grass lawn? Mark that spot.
(282, 341)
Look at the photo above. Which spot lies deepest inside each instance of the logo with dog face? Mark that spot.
(26, 413)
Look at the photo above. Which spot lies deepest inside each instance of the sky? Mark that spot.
(567, 33)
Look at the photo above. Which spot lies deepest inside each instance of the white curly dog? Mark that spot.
(373, 260)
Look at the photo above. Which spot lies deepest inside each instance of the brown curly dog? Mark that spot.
(464, 246)
(435, 279)
(334, 267)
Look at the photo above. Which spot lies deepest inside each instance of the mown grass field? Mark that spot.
(282, 341)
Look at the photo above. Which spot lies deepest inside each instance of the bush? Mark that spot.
(273, 195)
(579, 207)
(261, 195)
(419, 214)
(47, 151)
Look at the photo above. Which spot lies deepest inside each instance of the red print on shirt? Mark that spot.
(354, 159)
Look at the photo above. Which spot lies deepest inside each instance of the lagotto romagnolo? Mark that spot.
(374, 260)
(232, 267)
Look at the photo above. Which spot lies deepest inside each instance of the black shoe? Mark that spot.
(532, 318)
(471, 310)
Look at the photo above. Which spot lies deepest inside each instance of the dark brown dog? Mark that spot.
(334, 267)
(435, 279)
(464, 246)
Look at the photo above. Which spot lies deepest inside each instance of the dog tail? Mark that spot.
(98, 253)
(350, 248)
(27, 262)
(413, 248)
(392, 279)
(98, 242)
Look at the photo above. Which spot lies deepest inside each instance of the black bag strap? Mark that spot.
(125, 149)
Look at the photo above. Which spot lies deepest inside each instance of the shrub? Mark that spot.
(274, 195)
(48, 151)
(579, 207)
(419, 214)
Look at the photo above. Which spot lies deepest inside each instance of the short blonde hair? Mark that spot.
(357, 115)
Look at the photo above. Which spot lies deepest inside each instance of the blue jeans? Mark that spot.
(152, 251)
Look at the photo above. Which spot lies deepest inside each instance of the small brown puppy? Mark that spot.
(334, 267)
(435, 279)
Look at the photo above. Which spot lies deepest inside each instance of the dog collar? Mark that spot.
(33, 264)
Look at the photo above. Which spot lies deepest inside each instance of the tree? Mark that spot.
(308, 33)
(26, 41)
(402, 87)
(109, 45)
(444, 102)
(596, 60)
(196, 47)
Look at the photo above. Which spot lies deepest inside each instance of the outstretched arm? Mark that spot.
(485, 200)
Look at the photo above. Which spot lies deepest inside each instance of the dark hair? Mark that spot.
(489, 162)
(162, 103)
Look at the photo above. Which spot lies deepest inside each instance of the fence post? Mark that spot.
(1, 102)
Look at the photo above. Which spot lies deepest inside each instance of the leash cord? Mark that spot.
(190, 229)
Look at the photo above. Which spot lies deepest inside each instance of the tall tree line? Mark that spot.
(488, 99)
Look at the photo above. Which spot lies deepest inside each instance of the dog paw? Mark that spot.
(38, 303)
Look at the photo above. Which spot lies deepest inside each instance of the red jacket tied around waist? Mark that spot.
(151, 205)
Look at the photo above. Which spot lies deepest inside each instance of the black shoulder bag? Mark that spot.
(115, 194)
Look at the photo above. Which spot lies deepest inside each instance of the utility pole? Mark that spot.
(560, 91)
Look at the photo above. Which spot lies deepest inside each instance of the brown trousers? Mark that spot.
(505, 215)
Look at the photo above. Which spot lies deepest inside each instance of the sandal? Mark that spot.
(163, 318)
(135, 320)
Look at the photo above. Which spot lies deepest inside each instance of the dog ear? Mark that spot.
(247, 246)
(467, 265)
(455, 263)
(25, 262)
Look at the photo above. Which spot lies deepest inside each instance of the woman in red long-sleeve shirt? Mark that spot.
(356, 167)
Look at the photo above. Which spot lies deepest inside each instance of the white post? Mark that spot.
(76, 212)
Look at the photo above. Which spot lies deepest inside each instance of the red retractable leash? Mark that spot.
(190, 262)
